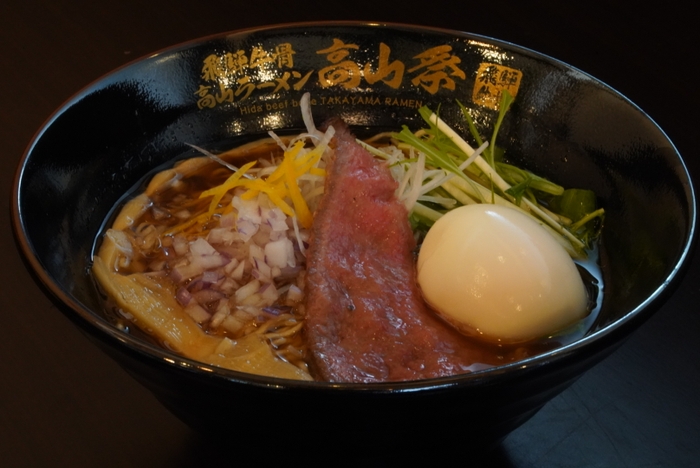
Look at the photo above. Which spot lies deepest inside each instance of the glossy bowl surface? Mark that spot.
(230, 88)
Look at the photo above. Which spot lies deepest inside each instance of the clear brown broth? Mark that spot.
(169, 201)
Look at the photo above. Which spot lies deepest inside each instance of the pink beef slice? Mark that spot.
(365, 318)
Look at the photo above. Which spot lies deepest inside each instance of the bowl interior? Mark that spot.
(232, 88)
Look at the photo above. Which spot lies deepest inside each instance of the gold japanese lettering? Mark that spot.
(206, 99)
(236, 62)
(259, 57)
(245, 88)
(284, 54)
(390, 73)
(212, 68)
(491, 80)
(338, 51)
(224, 95)
(345, 73)
(302, 80)
(437, 66)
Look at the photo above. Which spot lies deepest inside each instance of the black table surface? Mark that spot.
(64, 403)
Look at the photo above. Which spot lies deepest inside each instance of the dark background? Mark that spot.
(64, 403)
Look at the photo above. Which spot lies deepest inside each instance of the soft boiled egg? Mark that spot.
(494, 272)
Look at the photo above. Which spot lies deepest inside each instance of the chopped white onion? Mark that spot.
(197, 312)
(280, 253)
(247, 290)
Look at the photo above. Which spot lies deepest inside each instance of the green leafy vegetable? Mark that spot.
(452, 170)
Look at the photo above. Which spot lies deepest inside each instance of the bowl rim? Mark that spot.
(101, 326)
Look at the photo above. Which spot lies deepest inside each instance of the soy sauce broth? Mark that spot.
(168, 202)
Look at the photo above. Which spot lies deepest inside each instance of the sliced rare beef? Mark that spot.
(365, 318)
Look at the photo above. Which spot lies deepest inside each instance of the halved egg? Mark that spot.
(494, 272)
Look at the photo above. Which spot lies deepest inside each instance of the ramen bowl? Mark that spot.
(224, 90)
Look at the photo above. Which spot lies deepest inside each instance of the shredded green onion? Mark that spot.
(439, 170)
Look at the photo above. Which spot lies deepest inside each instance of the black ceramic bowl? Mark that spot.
(230, 88)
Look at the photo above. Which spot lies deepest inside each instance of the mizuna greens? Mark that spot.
(438, 170)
